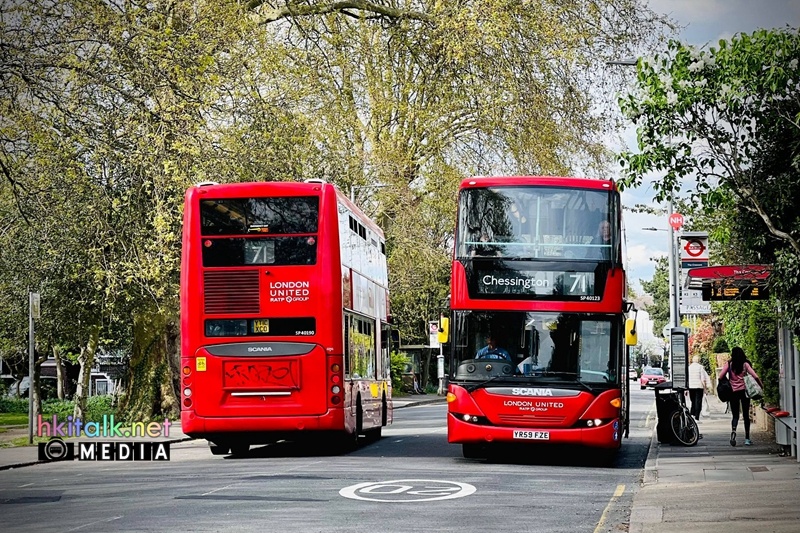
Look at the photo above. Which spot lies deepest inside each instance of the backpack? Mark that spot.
(724, 389)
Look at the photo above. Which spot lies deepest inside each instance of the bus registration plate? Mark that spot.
(261, 325)
(532, 435)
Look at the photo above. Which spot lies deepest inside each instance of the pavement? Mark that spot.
(714, 486)
(707, 487)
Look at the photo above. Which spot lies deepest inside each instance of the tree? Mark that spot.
(658, 288)
(728, 116)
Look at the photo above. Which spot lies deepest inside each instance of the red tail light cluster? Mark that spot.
(335, 383)
(187, 386)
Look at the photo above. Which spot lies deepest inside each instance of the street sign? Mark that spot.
(694, 249)
(692, 303)
(36, 305)
(676, 221)
(433, 334)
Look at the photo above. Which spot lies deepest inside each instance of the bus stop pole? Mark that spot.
(30, 367)
(440, 369)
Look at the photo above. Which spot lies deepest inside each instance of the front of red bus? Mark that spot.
(537, 326)
(255, 283)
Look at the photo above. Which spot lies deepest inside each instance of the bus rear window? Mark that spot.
(275, 215)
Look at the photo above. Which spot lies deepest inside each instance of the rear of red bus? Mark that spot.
(261, 315)
(537, 324)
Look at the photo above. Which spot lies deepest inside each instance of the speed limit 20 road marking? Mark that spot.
(407, 490)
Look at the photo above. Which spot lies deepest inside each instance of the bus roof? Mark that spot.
(543, 181)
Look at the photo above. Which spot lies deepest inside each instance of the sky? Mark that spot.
(704, 22)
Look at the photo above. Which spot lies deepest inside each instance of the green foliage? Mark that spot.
(13, 405)
(720, 345)
(727, 117)
(658, 288)
(398, 363)
(98, 406)
(60, 408)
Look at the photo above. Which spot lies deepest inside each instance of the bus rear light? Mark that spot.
(187, 402)
(335, 378)
(187, 382)
(336, 389)
(335, 367)
(335, 400)
(187, 370)
(187, 392)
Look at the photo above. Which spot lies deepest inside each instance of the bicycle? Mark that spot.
(683, 424)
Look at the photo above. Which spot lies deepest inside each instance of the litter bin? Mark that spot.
(667, 402)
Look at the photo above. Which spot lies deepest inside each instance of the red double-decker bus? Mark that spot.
(284, 316)
(537, 334)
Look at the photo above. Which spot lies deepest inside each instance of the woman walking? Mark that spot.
(736, 369)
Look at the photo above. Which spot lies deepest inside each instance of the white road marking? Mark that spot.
(407, 490)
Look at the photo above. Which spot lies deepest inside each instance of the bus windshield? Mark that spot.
(537, 346)
(536, 223)
(259, 231)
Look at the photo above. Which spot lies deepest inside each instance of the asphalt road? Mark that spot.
(410, 480)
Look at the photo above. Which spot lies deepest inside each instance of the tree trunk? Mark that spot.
(36, 384)
(60, 374)
(155, 358)
(86, 360)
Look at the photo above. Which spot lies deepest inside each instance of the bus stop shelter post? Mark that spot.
(440, 369)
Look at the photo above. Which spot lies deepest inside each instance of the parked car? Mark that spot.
(632, 374)
(651, 377)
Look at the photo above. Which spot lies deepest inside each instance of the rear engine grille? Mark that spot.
(231, 292)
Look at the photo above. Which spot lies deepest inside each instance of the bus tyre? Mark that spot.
(239, 450)
(218, 449)
(470, 450)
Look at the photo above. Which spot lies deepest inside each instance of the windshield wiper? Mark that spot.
(483, 383)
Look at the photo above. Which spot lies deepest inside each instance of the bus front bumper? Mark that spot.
(607, 435)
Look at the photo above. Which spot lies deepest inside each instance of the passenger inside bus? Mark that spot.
(601, 243)
(492, 351)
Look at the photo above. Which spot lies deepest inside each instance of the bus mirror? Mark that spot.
(631, 338)
(444, 330)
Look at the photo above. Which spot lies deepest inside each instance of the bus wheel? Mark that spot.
(239, 450)
(470, 450)
(384, 412)
(218, 449)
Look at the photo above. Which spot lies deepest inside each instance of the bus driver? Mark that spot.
(492, 351)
